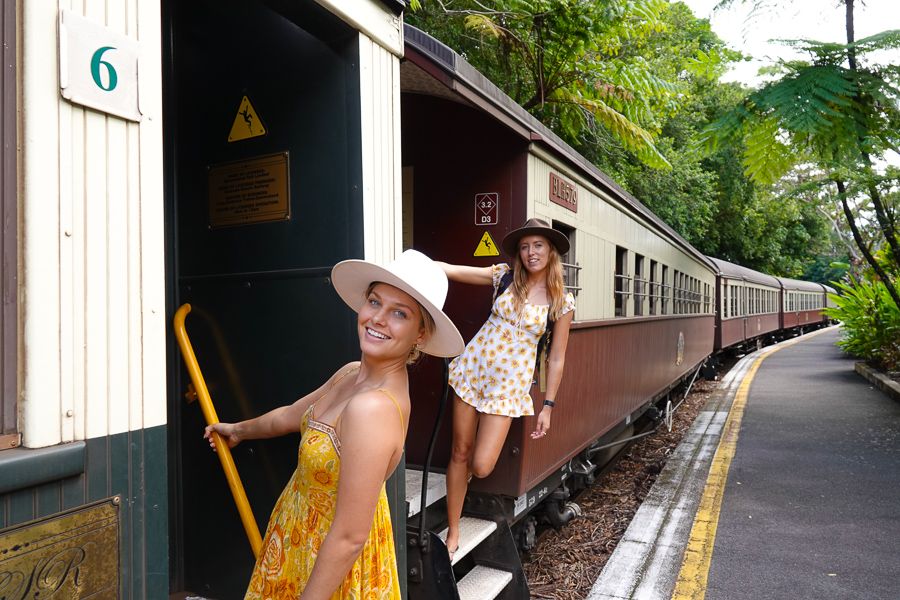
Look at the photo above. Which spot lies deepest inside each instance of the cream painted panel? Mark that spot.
(373, 19)
(93, 242)
(40, 407)
(382, 186)
(148, 370)
(602, 222)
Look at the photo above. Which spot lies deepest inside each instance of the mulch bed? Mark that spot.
(564, 564)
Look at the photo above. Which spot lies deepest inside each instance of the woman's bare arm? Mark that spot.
(276, 422)
(555, 365)
(467, 274)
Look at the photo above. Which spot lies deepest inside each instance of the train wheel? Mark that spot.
(525, 534)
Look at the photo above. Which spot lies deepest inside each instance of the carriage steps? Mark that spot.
(482, 581)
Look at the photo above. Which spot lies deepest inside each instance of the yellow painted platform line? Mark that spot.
(692, 579)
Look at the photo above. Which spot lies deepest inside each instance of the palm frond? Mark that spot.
(766, 158)
(635, 138)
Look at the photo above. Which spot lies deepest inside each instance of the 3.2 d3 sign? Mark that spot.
(98, 67)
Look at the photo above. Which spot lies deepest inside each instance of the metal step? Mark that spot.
(483, 583)
(471, 533)
(437, 489)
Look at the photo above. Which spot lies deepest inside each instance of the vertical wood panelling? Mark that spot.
(8, 222)
(379, 72)
(40, 226)
(148, 241)
(93, 242)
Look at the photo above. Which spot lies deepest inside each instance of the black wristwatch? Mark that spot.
(549, 403)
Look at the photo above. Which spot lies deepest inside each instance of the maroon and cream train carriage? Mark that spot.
(802, 304)
(748, 305)
(476, 165)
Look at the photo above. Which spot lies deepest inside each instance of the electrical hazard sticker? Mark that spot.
(247, 123)
(486, 247)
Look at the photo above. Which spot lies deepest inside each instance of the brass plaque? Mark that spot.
(69, 555)
(249, 191)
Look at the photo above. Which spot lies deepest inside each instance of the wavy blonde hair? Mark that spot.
(556, 289)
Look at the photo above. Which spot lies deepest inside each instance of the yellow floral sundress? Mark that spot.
(301, 520)
(495, 371)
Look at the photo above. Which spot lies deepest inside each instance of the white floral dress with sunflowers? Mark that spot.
(495, 371)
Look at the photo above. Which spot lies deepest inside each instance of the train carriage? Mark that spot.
(748, 305)
(251, 146)
(802, 304)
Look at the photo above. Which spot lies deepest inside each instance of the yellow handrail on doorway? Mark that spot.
(222, 449)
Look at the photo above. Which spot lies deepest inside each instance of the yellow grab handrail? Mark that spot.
(222, 449)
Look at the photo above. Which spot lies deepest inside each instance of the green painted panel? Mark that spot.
(96, 469)
(26, 468)
(155, 522)
(137, 457)
(20, 507)
(72, 490)
(119, 480)
(117, 465)
(48, 499)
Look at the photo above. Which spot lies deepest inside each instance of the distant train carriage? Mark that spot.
(748, 305)
(802, 304)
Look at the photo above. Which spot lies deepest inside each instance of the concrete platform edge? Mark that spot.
(645, 563)
(884, 383)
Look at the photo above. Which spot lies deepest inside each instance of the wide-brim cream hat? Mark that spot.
(415, 274)
(535, 227)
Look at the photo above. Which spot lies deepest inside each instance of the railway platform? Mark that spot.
(785, 487)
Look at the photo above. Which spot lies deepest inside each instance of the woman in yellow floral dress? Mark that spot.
(329, 536)
(493, 376)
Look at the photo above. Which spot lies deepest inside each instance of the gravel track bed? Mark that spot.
(564, 563)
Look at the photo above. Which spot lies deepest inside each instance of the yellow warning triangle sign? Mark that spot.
(486, 247)
(247, 123)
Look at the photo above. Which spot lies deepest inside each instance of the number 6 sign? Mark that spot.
(98, 67)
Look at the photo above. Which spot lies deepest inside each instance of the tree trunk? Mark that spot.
(881, 215)
(842, 194)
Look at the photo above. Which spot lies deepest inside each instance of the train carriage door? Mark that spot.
(264, 175)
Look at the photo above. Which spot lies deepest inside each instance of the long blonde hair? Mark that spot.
(555, 287)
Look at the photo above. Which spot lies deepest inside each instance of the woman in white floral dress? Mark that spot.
(493, 376)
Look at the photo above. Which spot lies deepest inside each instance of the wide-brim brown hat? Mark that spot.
(535, 227)
(415, 274)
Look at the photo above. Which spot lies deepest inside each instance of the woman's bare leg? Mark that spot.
(489, 440)
(477, 442)
(465, 423)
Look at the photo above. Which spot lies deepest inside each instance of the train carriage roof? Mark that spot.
(433, 68)
(800, 286)
(734, 271)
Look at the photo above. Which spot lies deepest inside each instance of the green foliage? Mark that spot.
(821, 108)
(582, 66)
(629, 85)
(871, 322)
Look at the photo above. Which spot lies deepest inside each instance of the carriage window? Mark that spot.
(639, 285)
(622, 282)
(654, 287)
(664, 291)
(571, 268)
(676, 292)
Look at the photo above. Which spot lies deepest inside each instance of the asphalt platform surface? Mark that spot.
(811, 503)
